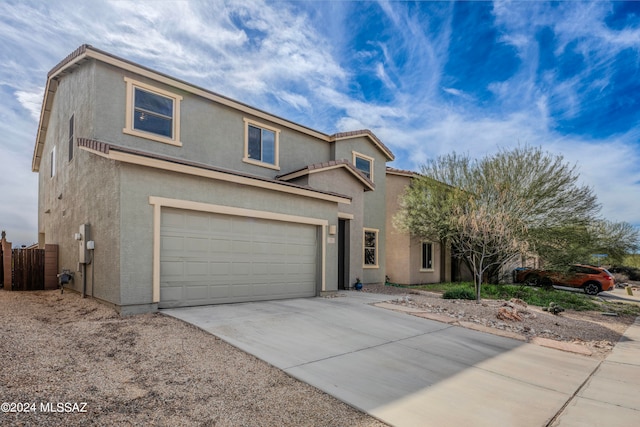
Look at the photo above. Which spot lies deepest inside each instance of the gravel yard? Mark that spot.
(156, 370)
(141, 370)
(591, 329)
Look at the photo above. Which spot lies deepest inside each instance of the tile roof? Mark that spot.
(401, 171)
(105, 148)
(316, 167)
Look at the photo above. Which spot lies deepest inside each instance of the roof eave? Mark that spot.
(51, 87)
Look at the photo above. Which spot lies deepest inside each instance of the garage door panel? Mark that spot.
(197, 292)
(263, 248)
(221, 225)
(213, 258)
(241, 247)
(197, 244)
(173, 220)
(240, 290)
(197, 221)
(241, 269)
(219, 268)
(218, 245)
(260, 268)
(220, 291)
(170, 269)
(171, 293)
(242, 227)
(197, 268)
(173, 243)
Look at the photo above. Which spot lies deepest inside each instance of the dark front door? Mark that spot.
(343, 254)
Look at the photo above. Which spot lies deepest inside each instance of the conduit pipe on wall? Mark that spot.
(90, 247)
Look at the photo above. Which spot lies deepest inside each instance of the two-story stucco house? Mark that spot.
(160, 193)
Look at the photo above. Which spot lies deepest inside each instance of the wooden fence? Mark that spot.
(1, 264)
(28, 269)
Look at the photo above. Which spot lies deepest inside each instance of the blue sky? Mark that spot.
(428, 78)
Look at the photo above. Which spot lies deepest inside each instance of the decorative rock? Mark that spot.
(518, 301)
(508, 313)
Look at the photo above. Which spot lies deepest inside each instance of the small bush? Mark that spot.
(553, 308)
(631, 272)
(620, 277)
(459, 293)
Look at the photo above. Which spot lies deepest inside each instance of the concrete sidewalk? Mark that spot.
(410, 371)
(611, 396)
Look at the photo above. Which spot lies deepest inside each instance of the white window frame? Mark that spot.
(371, 161)
(52, 158)
(130, 109)
(72, 136)
(364, 247)
(276, 148)
(422, 267)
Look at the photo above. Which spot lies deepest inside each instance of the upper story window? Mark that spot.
(71, 138)
(370, 248)
(53, 162)
(364, 164)
(261, 145)
(152, 113)
(427, 256)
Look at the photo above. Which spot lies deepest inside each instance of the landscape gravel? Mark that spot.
(591, 329)
(150, 370)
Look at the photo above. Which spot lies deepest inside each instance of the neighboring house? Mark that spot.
(191, 198)
(410, 260)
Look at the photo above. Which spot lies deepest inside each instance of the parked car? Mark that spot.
(592, 280)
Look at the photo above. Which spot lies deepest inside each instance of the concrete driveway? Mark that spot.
(404, 370)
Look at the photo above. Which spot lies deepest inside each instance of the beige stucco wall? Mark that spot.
(374, 215)
(398, 254)
(344, 182)
(83, 191)
(404, 253)
(210, 133)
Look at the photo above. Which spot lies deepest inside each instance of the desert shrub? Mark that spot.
(459, 292)
(620, 277)
(632, 273)
(553, 308)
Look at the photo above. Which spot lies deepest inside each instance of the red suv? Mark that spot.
(592, 280)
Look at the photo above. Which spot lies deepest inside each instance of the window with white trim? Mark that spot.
(261, 145)
(370, 246)
(71, 138)
(152, 113)
(427, 256)
(364, 164)
(52, 158)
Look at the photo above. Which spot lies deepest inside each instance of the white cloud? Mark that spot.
(31, 101)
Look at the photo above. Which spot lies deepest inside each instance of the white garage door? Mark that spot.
(210, 258)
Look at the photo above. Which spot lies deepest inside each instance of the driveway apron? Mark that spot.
(401, 369)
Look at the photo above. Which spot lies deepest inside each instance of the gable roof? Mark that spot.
(325, 166)
(364, 132)
(87, 52)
